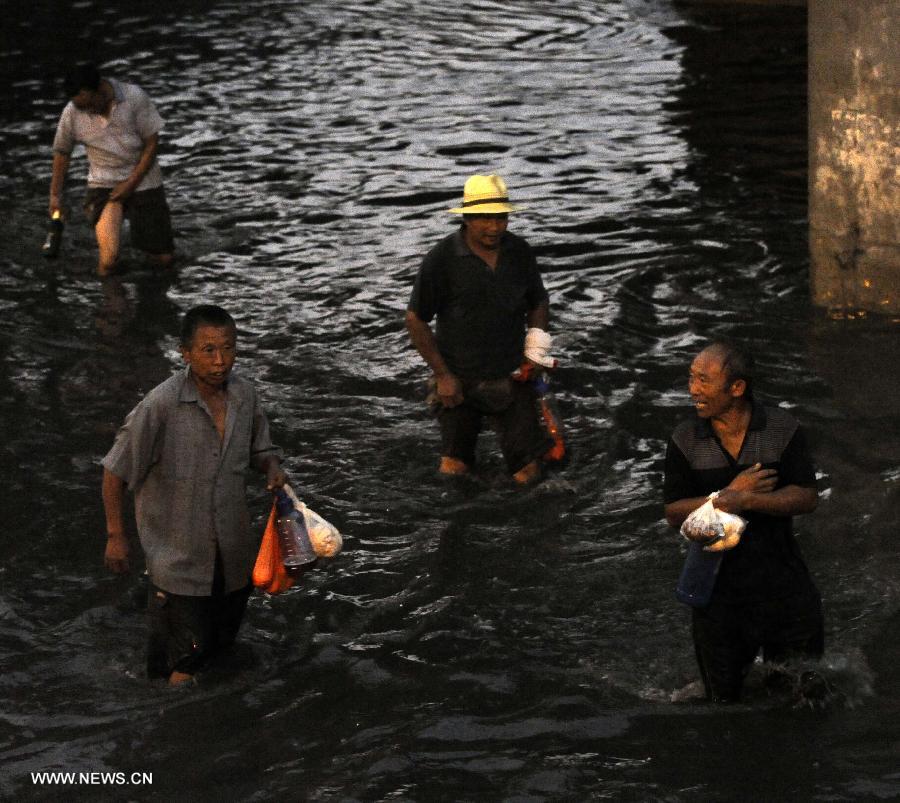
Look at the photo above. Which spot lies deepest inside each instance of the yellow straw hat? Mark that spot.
(485, 195)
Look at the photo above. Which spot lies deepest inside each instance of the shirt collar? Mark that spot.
(460, 248)
(459, 243)
(189, 391)
(703, 427)
(118, 92)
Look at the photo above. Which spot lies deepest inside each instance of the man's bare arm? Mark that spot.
(148, 156)
(449, 389)
(753, 490)
(116, 553)
(58, 181)
(792, 500)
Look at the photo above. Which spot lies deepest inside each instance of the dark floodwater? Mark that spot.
(473, 642)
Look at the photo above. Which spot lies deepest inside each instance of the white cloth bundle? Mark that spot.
(325, 539)
(537, 347)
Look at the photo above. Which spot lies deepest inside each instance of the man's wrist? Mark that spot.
(737, 500)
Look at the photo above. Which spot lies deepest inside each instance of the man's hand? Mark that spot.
(275, 476)
(756, 479)
(116, 556)
(447, 387)
(753, 480)
(122, 190)
(449, 390)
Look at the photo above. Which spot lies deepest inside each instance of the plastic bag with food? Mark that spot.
(325, 539)
(714, 529)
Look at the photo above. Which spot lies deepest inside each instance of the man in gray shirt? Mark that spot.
(184, 451)
(119, 127)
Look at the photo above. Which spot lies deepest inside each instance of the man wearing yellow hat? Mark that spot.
(483, 287)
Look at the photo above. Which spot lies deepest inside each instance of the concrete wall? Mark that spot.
(748, 2)
(854, 152)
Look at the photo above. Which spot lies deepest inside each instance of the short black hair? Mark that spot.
(81, 76)
(203, 315)
(737, 363)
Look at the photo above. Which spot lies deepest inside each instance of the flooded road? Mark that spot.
(473, 641)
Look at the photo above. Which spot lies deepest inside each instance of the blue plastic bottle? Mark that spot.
(698, 576)
(550, 417)
(296, 549)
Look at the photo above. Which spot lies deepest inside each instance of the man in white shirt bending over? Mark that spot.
(119, 127)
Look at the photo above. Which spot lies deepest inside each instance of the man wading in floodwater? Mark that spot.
(119, 126)
(185, 450)
(483, 286)
(756, 458)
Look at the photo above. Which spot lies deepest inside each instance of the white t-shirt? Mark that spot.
(113, 143)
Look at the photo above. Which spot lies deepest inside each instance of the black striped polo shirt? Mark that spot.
(767, 563)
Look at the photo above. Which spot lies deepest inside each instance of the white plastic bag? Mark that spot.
(325, 539)
(714, 528)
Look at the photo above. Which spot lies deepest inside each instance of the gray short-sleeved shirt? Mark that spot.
(113, 143)
(189, 485)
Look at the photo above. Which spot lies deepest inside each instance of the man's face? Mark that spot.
(211, 355)
(485, 231)
(92, 101)
(709, 387)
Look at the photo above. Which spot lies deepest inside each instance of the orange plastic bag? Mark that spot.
(269, 574)
(551, 423)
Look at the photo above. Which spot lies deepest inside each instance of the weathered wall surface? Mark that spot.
(748, 2)
(854, 169)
